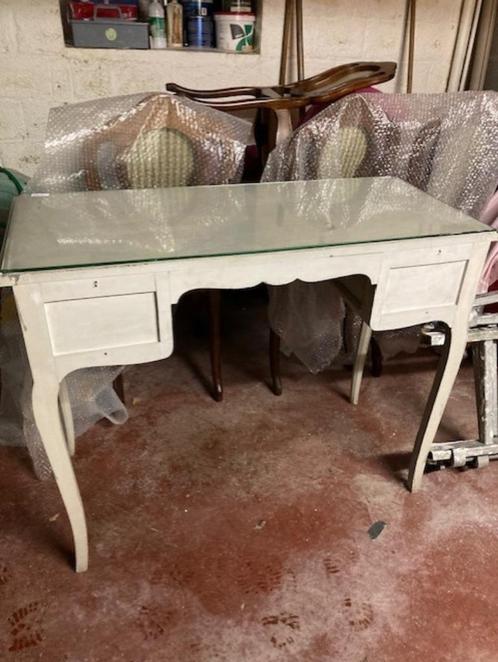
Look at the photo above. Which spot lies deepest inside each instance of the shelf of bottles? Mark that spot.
(227, 26)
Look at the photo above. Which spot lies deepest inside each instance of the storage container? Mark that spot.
(110, 34)
(235, 32)
(237, 6)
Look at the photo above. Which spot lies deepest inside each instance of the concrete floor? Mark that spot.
(240, 531)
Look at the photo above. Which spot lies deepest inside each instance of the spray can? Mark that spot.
(198, 8)
(200, 31)
(157, 27)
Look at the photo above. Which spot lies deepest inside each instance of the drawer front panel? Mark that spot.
(422, 286)
(80, 325)
(103, 286)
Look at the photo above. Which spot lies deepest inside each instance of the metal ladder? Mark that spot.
(483, 337)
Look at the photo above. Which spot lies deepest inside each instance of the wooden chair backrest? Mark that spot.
(325, 87)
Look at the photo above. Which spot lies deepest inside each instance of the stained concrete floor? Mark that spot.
(240, 531)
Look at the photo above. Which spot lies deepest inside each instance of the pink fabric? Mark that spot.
(490, 211)
(490, 273)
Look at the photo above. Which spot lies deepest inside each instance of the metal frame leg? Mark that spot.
(485, 368)
(479, 451)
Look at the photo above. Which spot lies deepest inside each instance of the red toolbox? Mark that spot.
(87, 10)
(107, 26)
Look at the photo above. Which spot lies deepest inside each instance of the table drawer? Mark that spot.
(83, 288)
(108, 317)
(422, 285)
(419, 287)
(80, 325)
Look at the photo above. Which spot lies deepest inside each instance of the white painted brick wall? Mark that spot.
(37, 71)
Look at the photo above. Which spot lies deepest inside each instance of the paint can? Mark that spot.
(235, 32)
(237, 6)
(197, 8)
(200, 31)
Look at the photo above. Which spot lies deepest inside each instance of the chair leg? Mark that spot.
(276, 382)
(118, 385)
(359, 361)
(215, 343)
(377, 362)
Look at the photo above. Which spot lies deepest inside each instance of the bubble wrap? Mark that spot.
(90, 393)
(138, 141)
(444, 144)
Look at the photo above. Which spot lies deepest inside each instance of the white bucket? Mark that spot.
(235, 32)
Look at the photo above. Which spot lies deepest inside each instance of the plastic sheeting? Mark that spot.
(444, 144)
(140, 141)
(137, 141)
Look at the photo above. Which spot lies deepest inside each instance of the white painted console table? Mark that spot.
(95, 275)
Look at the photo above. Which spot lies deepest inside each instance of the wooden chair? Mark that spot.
(279, 110)
(325, 87)
(285, 101)
(163, 144)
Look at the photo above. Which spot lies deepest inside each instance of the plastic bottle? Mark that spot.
(157, 26)
(143, 10)
(174, 11)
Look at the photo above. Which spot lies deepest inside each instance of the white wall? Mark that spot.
(37, 71)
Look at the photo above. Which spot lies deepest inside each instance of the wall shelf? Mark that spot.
(69, 42)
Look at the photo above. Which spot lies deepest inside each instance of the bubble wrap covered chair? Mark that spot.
(444, 144)
(145, 141)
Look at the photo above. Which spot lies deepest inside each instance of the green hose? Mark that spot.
(13, 179)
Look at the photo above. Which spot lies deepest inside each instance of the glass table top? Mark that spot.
(124, 226)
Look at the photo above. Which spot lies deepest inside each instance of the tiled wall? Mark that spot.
(37, 71)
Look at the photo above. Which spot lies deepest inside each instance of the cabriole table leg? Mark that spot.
(447, 370)
(48, 420)
(67, 417)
